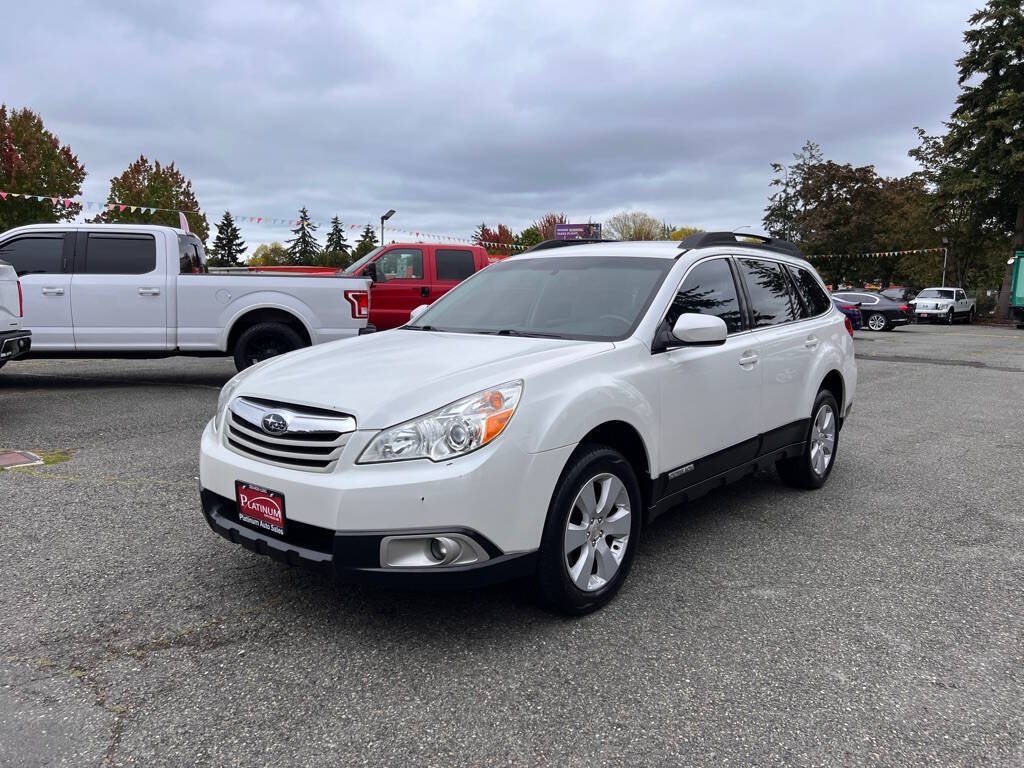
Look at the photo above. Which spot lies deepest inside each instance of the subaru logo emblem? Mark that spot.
(274, 424)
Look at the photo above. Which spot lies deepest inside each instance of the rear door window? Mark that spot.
(452, 264)
(116, 254)
(768, 289)
(708, 289)
(35, 255)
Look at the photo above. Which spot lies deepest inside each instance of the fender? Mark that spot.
(263, 300)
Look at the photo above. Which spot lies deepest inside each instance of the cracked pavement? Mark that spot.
(878, 620)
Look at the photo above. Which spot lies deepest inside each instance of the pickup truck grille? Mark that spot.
(287, 435)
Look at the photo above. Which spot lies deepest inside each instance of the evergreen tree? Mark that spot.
(228, 246)
(366, 243)
(303, 249)
(479, 234)
(336, 253)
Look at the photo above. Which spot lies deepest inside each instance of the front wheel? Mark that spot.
(878, 322)
(265, 340)
(949, 317)
(591, 531)
(812, 467)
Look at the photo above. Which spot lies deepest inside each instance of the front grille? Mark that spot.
(310, 439)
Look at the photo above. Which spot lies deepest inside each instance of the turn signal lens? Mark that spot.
(455, 430)
(849, 325)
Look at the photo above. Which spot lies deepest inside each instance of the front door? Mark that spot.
(401, 286)
(119, 289)
(710, 396)
(43, 262)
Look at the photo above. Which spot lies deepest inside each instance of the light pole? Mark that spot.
(945, 256)
(385, 217)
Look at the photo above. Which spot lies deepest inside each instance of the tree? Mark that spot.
(498, 242)
(336, 253)
(530, 236)
(33, 161)
(986, 130)
(269, 255)
(786, 204)
(634, 225)
(144, 185)
(546, 224)
(228, 246)
(681, 233)
(367, 242)
(303, 249)
(478, 234)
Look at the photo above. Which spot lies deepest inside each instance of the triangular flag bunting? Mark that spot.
(259, 219)
(3, 195)
(54, 200)
(122, 207)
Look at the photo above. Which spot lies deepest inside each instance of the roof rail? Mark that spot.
(545, 244)
(708, 239)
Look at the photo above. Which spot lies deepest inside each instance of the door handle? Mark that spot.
(812, 342)
(53, 291)
(149, 291)
(749, 358)
(424, 291)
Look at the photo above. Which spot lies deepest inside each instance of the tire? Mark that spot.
(806, 471)
(591, 468)
(970, 317)
(265, 340)
(950, 317)
(878, 322)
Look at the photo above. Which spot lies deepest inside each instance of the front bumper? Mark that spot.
(355, 556)
(14, 344)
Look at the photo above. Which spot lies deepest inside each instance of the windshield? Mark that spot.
(935, 293)
(355, 266)
(568, 297)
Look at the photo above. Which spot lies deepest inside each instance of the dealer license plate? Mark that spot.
(260, 507)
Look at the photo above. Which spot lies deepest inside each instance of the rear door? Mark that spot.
(450, 267)
(120, 291)
(788, 346)
(43, 260)
(401, 286)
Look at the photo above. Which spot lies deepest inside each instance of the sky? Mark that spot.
(456, 113)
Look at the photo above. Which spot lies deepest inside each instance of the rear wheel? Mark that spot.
(878, 322)
(970, 316)
(812, 467)
(591, 531)
(265, 340)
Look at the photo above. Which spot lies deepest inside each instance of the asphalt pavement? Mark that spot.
(876, 621)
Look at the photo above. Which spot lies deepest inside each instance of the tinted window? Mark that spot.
(190, 258)
(815, 300)
(34, 255)
(600, 298)
(935, 293)
(454, 265)
(708, 290)
(120, 255)
(401, 264)
(768, 288)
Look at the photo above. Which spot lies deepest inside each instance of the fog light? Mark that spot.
(445, 550)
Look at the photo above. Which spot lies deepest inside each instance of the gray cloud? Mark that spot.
(465, 111)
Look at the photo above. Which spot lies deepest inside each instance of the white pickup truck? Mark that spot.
(14, 340)
(105, 290)
(944, 304)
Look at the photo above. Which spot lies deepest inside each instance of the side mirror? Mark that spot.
(693, 328)
(417, 312)
(370, 270)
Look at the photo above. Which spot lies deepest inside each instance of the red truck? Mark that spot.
(406, 275)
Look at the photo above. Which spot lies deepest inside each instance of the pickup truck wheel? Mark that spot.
(812, 467)
(265, 340)
(591, 531)
(970, 316)
(949, 317)
(878, 322)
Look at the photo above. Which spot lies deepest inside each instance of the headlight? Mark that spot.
(229, 389)
(454, 430)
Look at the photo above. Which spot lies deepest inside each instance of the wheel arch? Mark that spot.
(626, 439)
(834, 383)
(256, 315)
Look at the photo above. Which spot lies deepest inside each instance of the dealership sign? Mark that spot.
(577, 231)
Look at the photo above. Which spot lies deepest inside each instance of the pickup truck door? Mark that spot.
(962, 304)
(43, 260)
(401, 286)
(448, 268)
(119, 291)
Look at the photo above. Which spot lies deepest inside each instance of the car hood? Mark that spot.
(386, 378)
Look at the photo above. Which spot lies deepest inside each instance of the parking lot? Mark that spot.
(878, 620)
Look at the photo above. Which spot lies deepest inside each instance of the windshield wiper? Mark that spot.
(422, 328)
(528, 334)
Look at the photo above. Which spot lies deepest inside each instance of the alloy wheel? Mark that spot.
(823, 439)
(597, 532)
(876, 322)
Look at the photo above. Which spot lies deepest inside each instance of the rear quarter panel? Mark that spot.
(9, 316)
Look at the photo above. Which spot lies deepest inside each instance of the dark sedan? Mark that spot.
(878, 312)
(852, 311)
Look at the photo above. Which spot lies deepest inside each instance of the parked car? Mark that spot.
(108, 290)
(15, 341)
(898, 293)
(944, 304)
(536, 418)
(407, 275)
(852, 312)
(877, 312)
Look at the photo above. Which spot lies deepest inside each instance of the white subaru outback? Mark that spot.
(537, 417)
